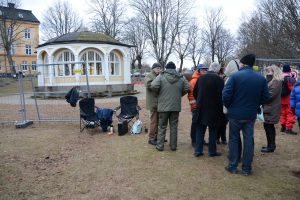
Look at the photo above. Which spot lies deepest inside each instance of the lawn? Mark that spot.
(56, 161)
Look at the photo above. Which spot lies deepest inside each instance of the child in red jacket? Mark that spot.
(287, 118)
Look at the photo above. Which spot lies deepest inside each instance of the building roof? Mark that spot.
(84, 37)
(17, 14)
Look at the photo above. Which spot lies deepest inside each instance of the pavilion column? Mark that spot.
(41, 72)
(51, 70)
(77, 69)
(126, 69)
(106, 68)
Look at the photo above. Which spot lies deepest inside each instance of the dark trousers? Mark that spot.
(270, 134)
(193, 133)
(247, 127)
(221, 131)
(200, 132)
(298, 119)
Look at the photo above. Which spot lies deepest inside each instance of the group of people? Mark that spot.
(234, 97)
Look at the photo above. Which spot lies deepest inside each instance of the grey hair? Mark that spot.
(277, 73)
(214, 67)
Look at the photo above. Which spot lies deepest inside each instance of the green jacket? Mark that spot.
(171, 86)
(151, 95)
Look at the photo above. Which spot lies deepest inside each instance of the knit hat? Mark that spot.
(248, 60)
(232, 66)
(155, 65)
(215, 67)
(286, 68)
(170, 65)
(201, 66)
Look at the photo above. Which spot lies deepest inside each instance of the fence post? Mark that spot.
(24, 123)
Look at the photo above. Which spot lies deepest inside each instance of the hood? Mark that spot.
(171, 75)
(231, 68)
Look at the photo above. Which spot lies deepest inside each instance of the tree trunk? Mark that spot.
(181, 64)
(139, 59)
(11, 64)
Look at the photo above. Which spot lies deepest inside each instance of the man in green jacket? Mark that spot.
(151, 103)
(171, 86)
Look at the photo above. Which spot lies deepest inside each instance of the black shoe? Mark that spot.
(152, 141)
(246, 173)
(166, 140)
(159, 149)
(198, 154)
(218, 142)
(267, 150)
(173, 149)
(264, 147)
(224, 142)
(215, 154)
(232, 171)
(283, 128)
(290, 131)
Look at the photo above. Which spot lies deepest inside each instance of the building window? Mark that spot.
(93, 61)
(24, 65)
(33, 65)
(114, 64)
(28, 49)
(13, 49)
(65, 68)
(27, 33)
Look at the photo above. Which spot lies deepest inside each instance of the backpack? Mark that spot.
(136, 127)
(285, 91)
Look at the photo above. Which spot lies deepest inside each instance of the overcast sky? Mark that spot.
(234, 10)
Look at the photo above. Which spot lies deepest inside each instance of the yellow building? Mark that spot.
(24, 48)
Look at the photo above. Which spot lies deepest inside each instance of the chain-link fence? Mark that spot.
(22, 100)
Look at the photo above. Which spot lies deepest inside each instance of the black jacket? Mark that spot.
(72, 97)
(208, 95)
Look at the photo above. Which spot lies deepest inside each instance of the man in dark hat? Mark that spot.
(151, 103)
(171, 86)
(243, 94)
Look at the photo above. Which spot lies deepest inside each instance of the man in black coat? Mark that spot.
(208, 94)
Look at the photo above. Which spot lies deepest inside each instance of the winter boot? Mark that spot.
(290, 131)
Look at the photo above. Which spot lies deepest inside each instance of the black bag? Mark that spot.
(285, 91)
(122, 127)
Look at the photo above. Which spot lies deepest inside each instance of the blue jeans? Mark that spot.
(247, 127)
(200, 132)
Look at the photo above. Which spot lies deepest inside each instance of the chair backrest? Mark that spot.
(129, 106)
(87, 107)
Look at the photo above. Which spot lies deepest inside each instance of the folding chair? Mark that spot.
(88, 116)
(129, 109)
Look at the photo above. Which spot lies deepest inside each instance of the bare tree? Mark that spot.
(135, 34)
(213, 25)
(10, 29)
(60, 19)
(107, 16)
(197, 45)
(162, 20)
(183, 42)
(225, 46)
(273, 30)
